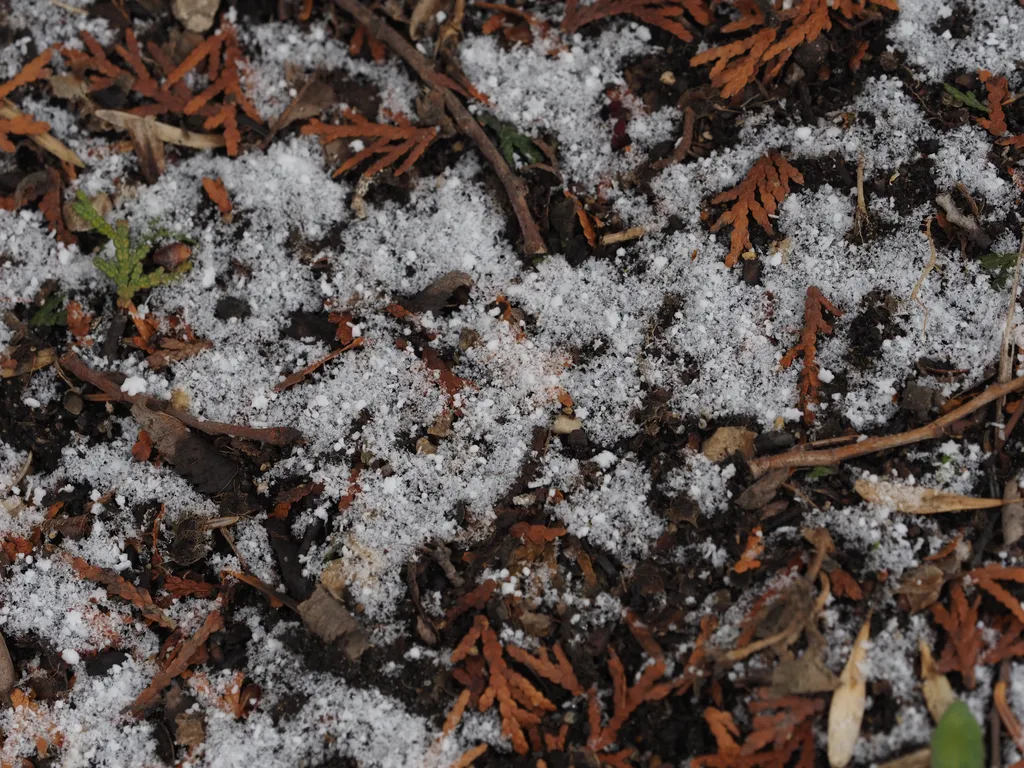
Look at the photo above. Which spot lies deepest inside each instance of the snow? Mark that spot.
(660, 314)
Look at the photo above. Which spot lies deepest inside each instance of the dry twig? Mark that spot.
(464, 121)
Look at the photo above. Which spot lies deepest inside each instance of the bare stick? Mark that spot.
(74, 365)
(1006, 345)
(464, 121)
(799, 458)
(924, 276)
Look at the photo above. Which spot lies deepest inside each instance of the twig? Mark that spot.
(299, 375)
(74, 365)
(682, 149)
(924, 275)
(800, 458)
(464, 121)
(169, 134)
(1006, 345)
(625, 236)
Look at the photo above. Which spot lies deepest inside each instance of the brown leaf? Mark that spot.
(149, 149)
(172, 255)
(844, 585)
(440, 293)
(143, 448)
(846, 712)
(331, 621)
(804, 675)
(921, 586)
(8, 677)
(918, 501)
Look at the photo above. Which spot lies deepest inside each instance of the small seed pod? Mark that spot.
(171, 255)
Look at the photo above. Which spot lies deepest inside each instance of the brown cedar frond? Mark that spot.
(361, 36)
(987, 578)
(561, 673)
(118, 586)
(224, 62)
(768, 179)
(625, 700)
(1010, 643)
(736, 64)
(669, 15)
(781, 728)
(963, 641)
(998, 91)
(23, 125)
(814, 323)
(391, 142)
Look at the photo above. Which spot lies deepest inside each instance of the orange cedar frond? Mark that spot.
(998, 91)
(751, 552)
(963, 641)
(736, 64)
(625, 699)
(673, 16)
(1010, 643)
(768, 179)
(392, 142)
(476, 599)
(987, 578)
(307, 10)
(34, 70)
(361, 37)
(23, 125)
(814, 323)
(218, 195)
(584, 217)
(561, 673)
(781, 728)
(455, 715)
(724, 729)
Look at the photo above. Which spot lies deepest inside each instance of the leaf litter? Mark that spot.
(401, 488)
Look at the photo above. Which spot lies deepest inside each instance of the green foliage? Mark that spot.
(51, 313)
(511, 142)
(819, 472)
(999, 264)
(125, 269)
(968, 99)
(957, 741)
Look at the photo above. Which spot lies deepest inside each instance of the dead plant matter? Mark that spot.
(673, 16)
(815, 306)
(768, 180)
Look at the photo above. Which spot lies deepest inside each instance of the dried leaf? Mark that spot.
(844, 585)
(79, 321)
(847, 709)
(918, 501)
(8, 677)
(921, 586)
(938, 693)
(769, 180)
(536, 534)
(331, 621)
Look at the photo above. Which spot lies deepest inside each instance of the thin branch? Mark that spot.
(464, 121)
(74, 365)
(1006, 345)
(799, 458)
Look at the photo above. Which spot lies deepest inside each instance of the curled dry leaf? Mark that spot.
(938, 693)
(7, 673)
(332, 622)
(921, 586)
(918, 501)
(847, 709)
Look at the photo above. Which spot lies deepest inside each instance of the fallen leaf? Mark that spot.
(847, 709)
(957, 741)
(7, 674)
(918, 501)
(331, 621)
(938, 693)
(805, 675)
(727, 441)
(921, 586)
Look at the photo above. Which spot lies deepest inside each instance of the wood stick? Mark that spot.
(74, 365)
(830, 457)
(515, 188)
